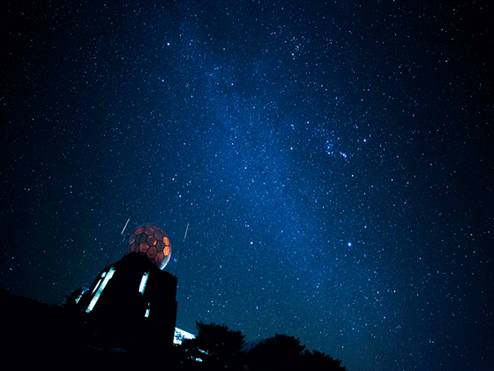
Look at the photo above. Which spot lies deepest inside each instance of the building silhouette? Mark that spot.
(130, 300)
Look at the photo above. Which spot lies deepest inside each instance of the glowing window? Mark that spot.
(144, 280)
(78, 299)
(180, 335)
(99, 282)
(100, 289)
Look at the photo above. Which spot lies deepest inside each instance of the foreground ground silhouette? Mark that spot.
(56, 337)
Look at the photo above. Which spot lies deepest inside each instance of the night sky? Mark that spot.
(332, 160)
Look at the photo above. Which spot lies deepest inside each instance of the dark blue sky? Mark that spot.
(331, 158)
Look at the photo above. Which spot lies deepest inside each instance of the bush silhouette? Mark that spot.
(218, 347)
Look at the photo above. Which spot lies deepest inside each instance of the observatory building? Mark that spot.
(133, 299)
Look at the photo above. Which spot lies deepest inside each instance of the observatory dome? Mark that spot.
(152, 242)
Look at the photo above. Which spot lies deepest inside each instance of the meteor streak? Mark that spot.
(186, 231)
(125, 226)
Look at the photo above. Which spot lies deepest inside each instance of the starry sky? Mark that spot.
(331, 158)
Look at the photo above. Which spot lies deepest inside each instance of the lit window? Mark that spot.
(144, 280)
(100, 289)
(80, 296)
(180, 335)
(99, 282)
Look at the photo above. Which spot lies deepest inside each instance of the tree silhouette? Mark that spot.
(216, 347)
(317, 361)
(282, 352)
